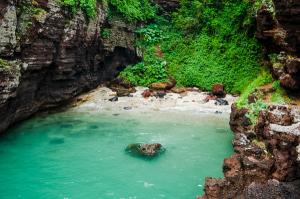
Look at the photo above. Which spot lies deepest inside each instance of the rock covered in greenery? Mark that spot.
(145, 149)
(168, 5)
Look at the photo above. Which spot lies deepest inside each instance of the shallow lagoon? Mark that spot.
(81, 155)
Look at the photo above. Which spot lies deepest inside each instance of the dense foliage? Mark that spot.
(88, 6)
(203, 43)
(132, 10)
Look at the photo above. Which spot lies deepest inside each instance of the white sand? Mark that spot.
(191, 101)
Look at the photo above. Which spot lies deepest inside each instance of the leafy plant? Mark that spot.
(105, 33)
(133, 10)
(150, 35)
(88, 6)
(145, 73)
(263, 78)
(254, 109)
(279, 96)
(267, 3)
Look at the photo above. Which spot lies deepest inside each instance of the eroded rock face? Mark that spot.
(8, 26)
(266, 159)
(56, 56)
(281, 34)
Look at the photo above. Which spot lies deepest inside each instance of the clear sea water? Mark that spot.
(82, 156)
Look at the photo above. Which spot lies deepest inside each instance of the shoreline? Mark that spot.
(192, 102)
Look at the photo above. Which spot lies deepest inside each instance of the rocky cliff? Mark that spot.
(266, 163)
(49, 55)
(279, 31)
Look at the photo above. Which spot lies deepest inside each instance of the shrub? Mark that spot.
(87, 6)
(206, 42)
(105, 33)
(263, 78)
(145, 73)
(133, 10)
(150, 35)
(254, 109)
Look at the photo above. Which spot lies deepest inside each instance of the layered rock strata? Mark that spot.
(48, 55)
(266, 163)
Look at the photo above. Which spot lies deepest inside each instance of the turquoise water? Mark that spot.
(81, 156)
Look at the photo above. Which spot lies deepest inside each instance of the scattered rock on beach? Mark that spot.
(218, 90)
(147, 93)
(160, 94)
(221, 102)
(164, 85)
(114, 99)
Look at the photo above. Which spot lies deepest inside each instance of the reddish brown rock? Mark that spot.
(280, 35)
(164, 85)
(239, 123)
(289, 82)
(210, 97)
(293, 66)
(148, 93)
(252, 98)
(262, 155)
(218, 90)
(232, 167)
(179, 90)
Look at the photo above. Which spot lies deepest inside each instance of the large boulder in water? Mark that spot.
(145, 149)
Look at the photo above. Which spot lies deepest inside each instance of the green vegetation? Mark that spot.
(267, 3)
(204, 42)
(30, 13)
(254, 109)
(4, 64)
(133, 10)
(87, 6)
(152, 69)
(262, 79)
(105, 33)
(279, 95)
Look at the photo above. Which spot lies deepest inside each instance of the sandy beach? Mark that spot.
(190, 101)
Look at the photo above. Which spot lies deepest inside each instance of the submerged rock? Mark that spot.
(145, 149)
(57, 141)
